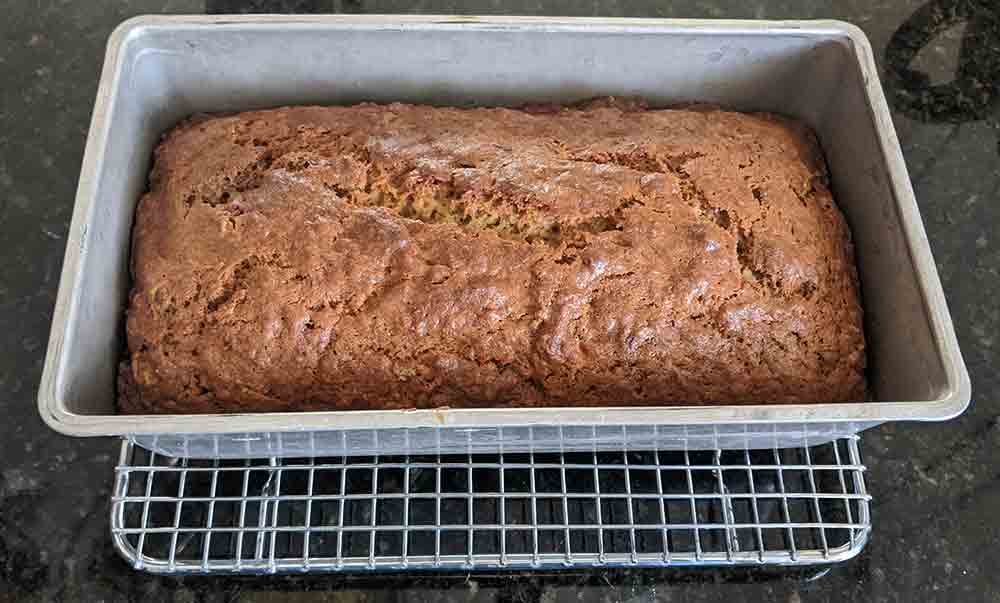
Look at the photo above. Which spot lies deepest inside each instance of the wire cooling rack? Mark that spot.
(796, 506)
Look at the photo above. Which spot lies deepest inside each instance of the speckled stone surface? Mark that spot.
(936, 486)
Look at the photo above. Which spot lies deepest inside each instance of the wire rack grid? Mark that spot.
(797, 506)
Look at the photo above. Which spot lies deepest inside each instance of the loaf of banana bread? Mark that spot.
(400, 256)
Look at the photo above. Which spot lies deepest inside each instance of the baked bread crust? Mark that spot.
(399, 256)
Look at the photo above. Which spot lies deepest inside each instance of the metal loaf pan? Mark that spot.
(161, 69)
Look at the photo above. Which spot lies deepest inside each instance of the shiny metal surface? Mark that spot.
(798, 506)
(158, 70)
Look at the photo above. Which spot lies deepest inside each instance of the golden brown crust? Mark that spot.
(399, 256)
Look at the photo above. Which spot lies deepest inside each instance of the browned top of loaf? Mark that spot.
(407, 256)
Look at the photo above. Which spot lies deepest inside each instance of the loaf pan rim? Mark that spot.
(953, 402)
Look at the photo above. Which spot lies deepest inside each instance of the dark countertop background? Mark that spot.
(936, 486)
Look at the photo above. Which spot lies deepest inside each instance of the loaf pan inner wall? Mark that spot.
(169, 73)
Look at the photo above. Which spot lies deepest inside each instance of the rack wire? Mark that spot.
(798, 506)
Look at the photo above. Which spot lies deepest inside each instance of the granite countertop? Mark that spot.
(934, 484)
